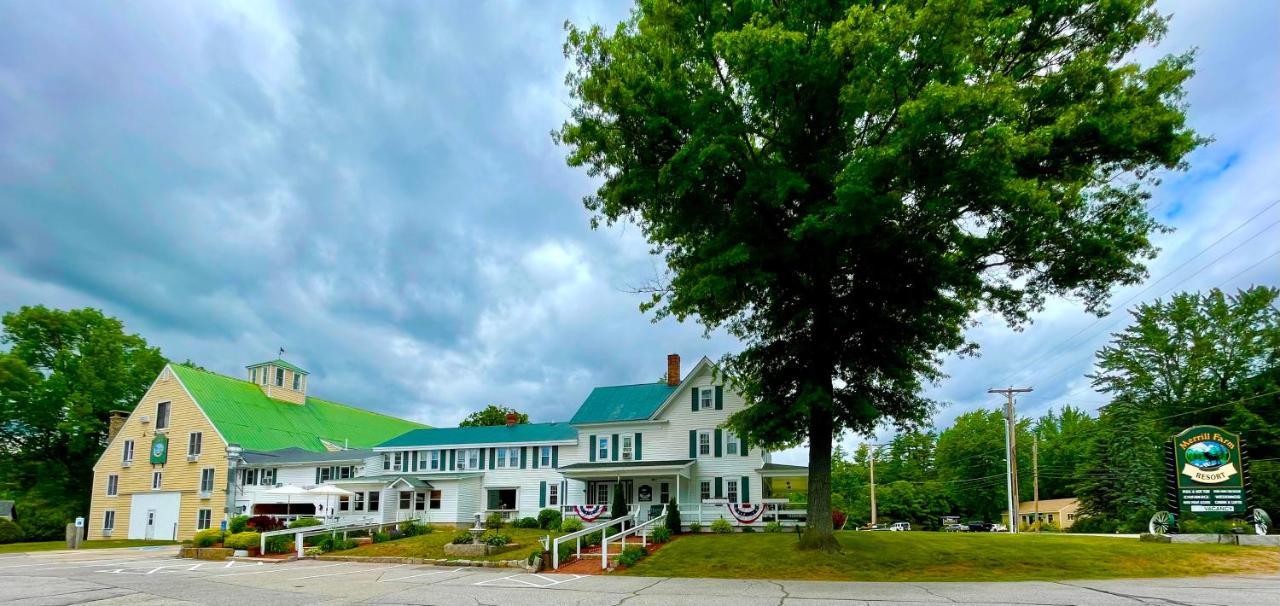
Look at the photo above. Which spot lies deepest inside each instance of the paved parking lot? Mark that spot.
(153, 576)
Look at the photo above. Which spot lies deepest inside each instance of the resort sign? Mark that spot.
(1209, 470)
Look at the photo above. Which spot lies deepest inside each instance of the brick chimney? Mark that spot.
(673, 370)
(115, 420)
(511, 419)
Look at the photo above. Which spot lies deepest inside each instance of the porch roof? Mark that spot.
(679, 466)
(780, 470)
(388, 479)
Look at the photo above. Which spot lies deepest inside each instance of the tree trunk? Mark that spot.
(819, 533)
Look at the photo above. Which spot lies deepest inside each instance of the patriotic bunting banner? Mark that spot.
(746, 513)
(588, 513)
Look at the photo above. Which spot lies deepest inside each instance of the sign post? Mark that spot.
(1209, 472)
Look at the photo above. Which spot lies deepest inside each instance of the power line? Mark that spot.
(1247, 269)
(1203, 408)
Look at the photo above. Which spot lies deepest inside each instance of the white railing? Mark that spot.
(577, 538)
(343, 526)
(639, 529)
(781, 511)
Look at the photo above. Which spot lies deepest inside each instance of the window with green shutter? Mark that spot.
(719, 441)
(746, 489)
(693, 392)
(592, 443)
(719, 397)
(693, 443)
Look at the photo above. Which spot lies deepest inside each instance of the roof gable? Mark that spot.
(244, 415)
(493, 434)
(622, 403)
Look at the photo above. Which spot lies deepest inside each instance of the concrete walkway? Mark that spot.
(153, 576)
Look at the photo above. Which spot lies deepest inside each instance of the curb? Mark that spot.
(430, 561)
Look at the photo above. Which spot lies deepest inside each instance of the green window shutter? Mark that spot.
(719, 488)
(745, 495)
(694, 392)
(693, 443)
(742, 446)
(524, 456)
(555, 459)
(493, 458)
(615, 447)
(493, 499)
(593, 449)
(542, 494)
(453, 459)
(637, 455)
(719, 397)
(537, 454)
(719, 441)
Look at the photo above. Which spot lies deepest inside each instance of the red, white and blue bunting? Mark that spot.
(588, 513)
(745, 513)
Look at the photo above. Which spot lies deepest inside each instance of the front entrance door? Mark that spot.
(151, 524)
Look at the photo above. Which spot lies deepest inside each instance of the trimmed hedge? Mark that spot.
(207, 538)
(242, 540)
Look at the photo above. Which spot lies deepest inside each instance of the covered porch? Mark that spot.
(647, 486)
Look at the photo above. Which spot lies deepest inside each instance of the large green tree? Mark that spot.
(971, 462)
(844, 184)
(62, 374)
(1064, 438)
(492, 415)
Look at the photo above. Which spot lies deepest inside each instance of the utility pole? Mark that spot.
(1035, 476)
(1011, 450)
(872, 458)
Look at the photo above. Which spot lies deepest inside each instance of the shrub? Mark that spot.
(631, 555)
(748, 529)
(496, 539)
(305, 522)
(549, 519)
(242, 540)
(567, 550)
(661, 534)
(1095, 524)
(721, 526)
(1191, 525)
(526, 523)
(279, 544)
(570, 525)
(413, 529)
(593, 539)
(495, 521)
(207, 538)
(673, 516)
(238, 524)
(381, 537)
(262, 524)
(838, 518)
(695, 527)
(335, 543)
(461, 537)
(774, 526)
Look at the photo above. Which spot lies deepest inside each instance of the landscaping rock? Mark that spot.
(468, 550)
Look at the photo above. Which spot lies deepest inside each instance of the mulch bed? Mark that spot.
(591, 565)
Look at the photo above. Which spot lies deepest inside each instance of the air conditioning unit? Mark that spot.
(193, 458)
(204, 494)
(106, 532)
(126, 463)
(144, 419)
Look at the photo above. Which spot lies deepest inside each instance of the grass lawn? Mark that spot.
(938, 556)
(55, 545)
(432, 545)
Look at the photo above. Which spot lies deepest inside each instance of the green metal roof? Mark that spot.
(246, 416)
(622, 403)
(281, 364)
(495, 434)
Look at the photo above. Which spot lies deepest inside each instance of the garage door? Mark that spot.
(154, 515)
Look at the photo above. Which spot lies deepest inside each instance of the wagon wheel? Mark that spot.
(1160, 523)
(1261, 521)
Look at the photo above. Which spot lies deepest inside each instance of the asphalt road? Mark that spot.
(152, 576)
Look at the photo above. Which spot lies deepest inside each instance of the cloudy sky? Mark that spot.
(373, 188)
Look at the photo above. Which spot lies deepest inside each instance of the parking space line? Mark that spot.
(97, 563)
(334, 574)
(419, 575)
(281, 568)
(512, 579)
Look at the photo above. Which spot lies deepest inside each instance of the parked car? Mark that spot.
(874, 527)
(900, 526)
(976, 526)
(955, 528)
(999, 528)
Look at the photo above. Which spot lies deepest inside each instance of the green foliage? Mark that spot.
(381, 537)
(207, 538)
(461, 537)
(411, 528)
(329, 543)
(242, 540)
(618, 506)
(492, 415)
(570, 525)
(592, 539)
(279, 544)
(971, 461)
(1064, 449)
(813, 175)
(631, 555)
(661, 534)
(1094, 524)
(549, 519)
(238, 524)
(1125, 468)
(673, 516)
(751, 529)
(10, 531)
(61, 374)
(495, 521)
(1189, 525)
(695, 527)
(721, 526)
(526, 523)
(773, 527)
(305, 522)
(495, 539)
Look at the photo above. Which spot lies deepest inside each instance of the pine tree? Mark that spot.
(1122, 478)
